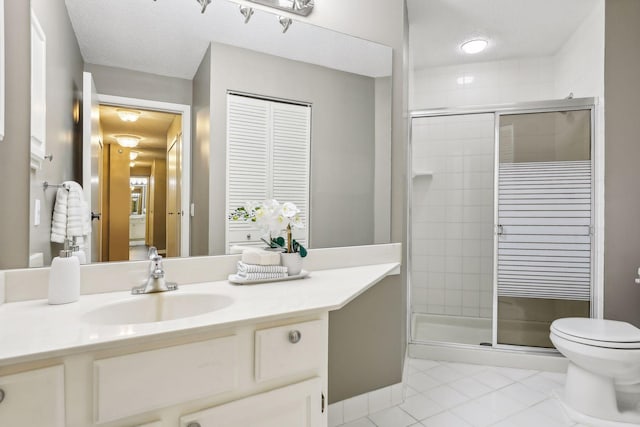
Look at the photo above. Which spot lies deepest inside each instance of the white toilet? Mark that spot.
(603, 378)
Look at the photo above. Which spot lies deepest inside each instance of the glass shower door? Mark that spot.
(452, 214)
(544, 256)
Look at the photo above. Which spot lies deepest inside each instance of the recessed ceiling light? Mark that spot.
(464, 80)
(132, 164)
(128, 115)
(474, 46)
(129, 141)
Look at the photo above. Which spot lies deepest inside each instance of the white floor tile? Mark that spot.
(422, 382)
(528, 418)
(421, 407)
(445, 419)
(552, 408)
(542, 384)
(523, 394)
(392, 417)
(470, 387)
(446, 396)
(361, 422)
(422, 364)
(444, 373)
(514, 374)
(488, 409)
(493, 379)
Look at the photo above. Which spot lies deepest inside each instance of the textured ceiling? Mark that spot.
(152, 127)
(514, 28)
(169, 37)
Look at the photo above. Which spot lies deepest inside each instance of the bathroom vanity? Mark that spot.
(209, 354)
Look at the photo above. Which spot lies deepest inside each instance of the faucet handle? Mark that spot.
(153, 252)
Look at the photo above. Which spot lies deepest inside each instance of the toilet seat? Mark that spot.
(598, 332)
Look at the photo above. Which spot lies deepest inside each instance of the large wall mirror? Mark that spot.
(162, 111)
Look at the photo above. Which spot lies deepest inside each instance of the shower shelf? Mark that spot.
(417, 174)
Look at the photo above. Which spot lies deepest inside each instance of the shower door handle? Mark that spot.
(499, 230)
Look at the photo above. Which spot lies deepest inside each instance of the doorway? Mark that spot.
(146, 152)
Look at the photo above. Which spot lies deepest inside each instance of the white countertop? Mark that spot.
(33, 330)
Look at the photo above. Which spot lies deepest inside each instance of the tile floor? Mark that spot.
(444, 394)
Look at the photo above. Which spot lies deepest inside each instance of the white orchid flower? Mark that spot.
(289, 210)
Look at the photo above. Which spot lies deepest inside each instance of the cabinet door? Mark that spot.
(297, 405)
(34, 398)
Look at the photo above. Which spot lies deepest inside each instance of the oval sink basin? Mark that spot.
(157, 307)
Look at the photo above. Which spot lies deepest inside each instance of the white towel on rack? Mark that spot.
(71, 216)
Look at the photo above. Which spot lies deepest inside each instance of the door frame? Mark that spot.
(185, 188)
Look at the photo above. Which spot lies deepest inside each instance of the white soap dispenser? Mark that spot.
(64, 277)
(77, 252)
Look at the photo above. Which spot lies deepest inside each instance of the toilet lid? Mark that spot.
(602, 332)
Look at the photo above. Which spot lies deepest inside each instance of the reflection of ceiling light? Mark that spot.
(132, 164)
(128, 115)
(464, 80)
(127, 140)
(474, 46)
(133, 155)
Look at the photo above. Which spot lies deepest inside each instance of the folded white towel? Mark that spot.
(261, 257)
(71, 215)
(262, 276)
(244, 269)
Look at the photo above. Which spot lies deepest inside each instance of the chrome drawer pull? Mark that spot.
(1, 395)
(194, 424)
(295, 336)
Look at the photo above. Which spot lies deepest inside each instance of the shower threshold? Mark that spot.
(451, 329)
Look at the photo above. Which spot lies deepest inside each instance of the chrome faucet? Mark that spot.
(155, 282)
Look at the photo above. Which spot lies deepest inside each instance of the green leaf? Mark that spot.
(279, 241)
(303, 251)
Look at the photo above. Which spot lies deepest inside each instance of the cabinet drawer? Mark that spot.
(298, 405)
(278, 354)
(140, 382)
(33, 398)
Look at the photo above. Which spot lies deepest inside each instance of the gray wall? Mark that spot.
(365, 340)
(622, 157)
(136, 84)
(342, 140)
(64, 85)
(200, 156)
(14, 149)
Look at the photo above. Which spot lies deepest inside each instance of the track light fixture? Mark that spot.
(285, 22)
(204, 4)
(247, 12)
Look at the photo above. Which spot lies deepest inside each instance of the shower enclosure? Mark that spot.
(500, 222)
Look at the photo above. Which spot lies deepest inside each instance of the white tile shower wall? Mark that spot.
(484, 83)
(452, 221)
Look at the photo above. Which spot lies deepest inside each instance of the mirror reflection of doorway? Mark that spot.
(140, 169)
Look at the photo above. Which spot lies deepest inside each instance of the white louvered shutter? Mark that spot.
(544, 245)
(248, 135)
(268, 154)
(291, 135)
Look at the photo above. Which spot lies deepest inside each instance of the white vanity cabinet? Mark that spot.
(298, 405)
(33, 398)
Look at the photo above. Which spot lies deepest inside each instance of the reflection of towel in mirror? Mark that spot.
(71, 217)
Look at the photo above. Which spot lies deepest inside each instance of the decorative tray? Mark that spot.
(234, 278)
